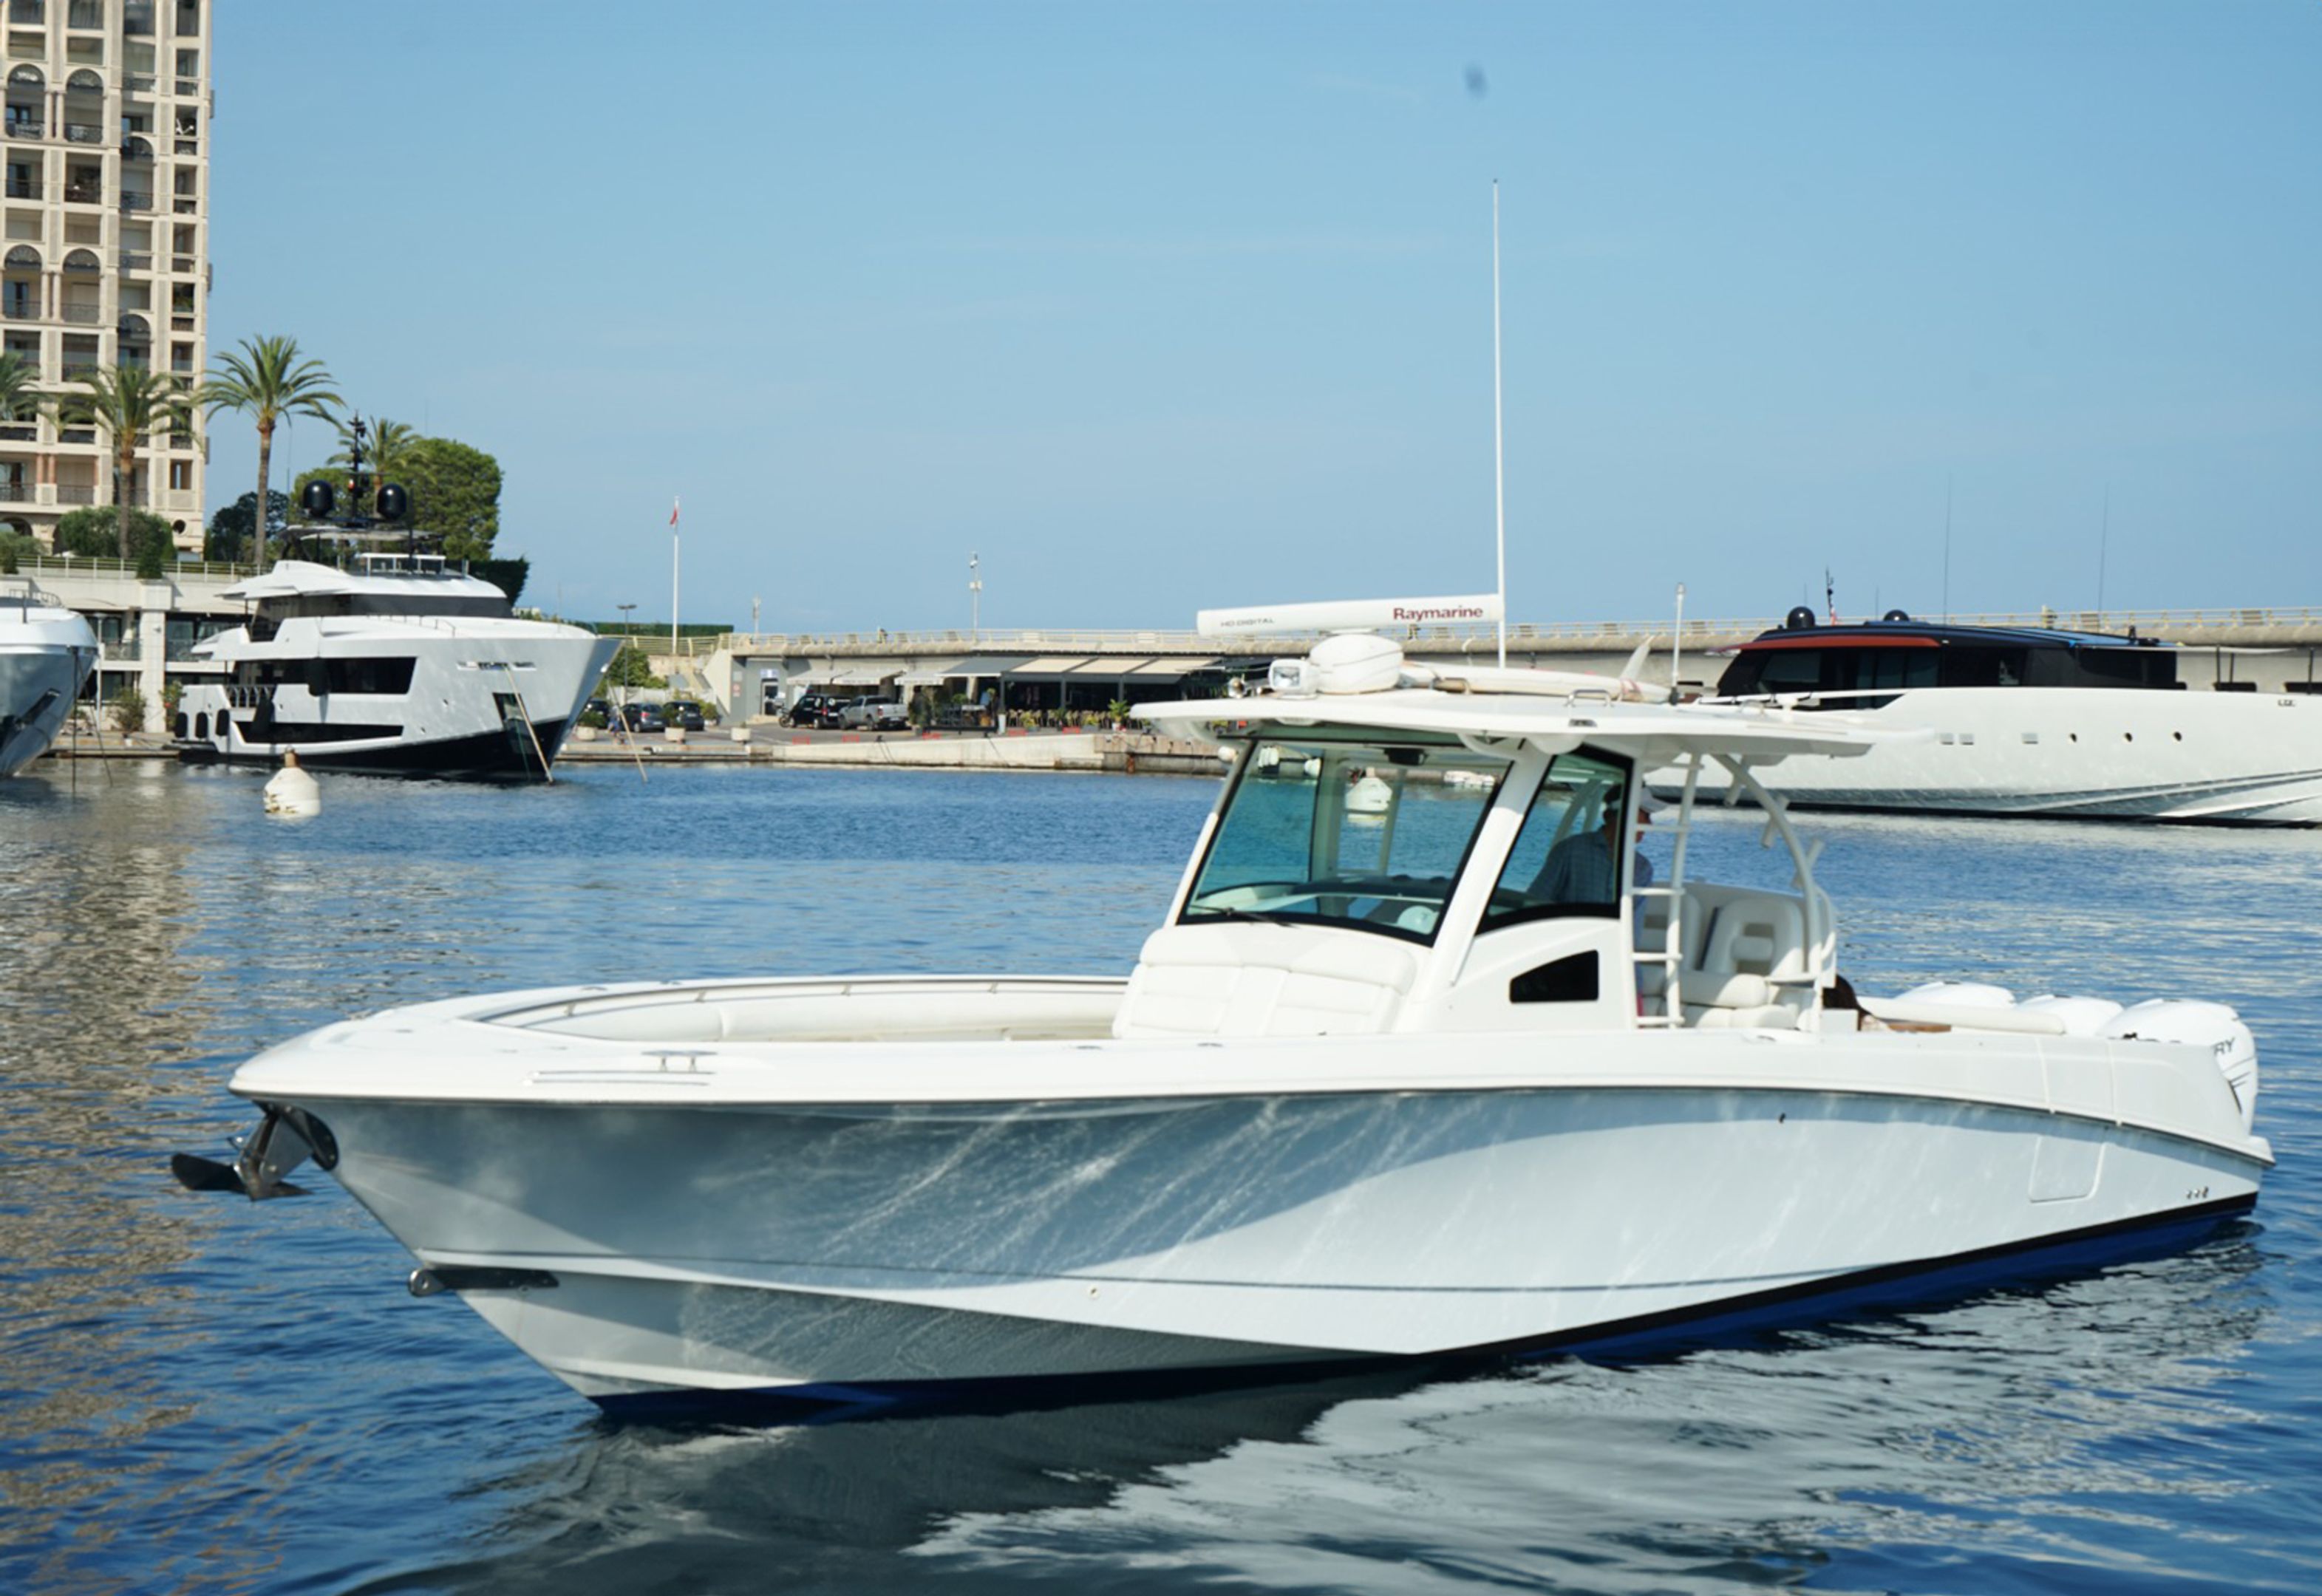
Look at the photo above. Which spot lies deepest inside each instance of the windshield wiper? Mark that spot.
(1253, 915)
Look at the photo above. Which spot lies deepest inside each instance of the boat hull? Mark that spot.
(2073, 752)
(479, 698)
(505, 754)
(794, 1256)
(39, 683)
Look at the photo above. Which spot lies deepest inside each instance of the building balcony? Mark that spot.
(92, 194)
(138, 83)
(19, 432)
(189, 85)
(84, 132)
(74, 370)
(76, 493)
(131, 200)
(21, 310)
(79, 434)
(183, 264)
(87, 315)
(186, 206)
(23, 188)
(15, 493)
(136, 260)
(27, 127)
(188, 147)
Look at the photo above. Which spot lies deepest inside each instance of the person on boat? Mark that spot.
(1586, 867)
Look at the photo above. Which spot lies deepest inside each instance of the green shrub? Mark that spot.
(128, 706)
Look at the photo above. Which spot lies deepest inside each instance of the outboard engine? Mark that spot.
(2195, 1023)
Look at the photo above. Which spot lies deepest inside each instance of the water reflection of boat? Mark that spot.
(1811, 1457)
(46, 655)
(1463, 1084)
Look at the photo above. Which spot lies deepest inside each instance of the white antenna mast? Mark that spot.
(1499, 451)
(1676, 642)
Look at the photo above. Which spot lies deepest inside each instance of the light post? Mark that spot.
(974, 599)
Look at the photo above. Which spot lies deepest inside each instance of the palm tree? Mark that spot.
(130, 403)
(269, 381)
(18, 401)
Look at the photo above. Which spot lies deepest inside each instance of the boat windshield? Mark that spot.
(1353, 836)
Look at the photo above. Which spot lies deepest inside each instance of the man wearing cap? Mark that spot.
(1586, 867)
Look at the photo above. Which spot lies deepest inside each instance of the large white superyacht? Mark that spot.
(1448, 1074)
(46, 655)
(2031, 722)
(396, 663)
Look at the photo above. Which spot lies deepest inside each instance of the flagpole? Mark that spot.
(1499, 454)
(672, 583)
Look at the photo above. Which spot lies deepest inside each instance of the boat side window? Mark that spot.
(1365, 837)
(1565, 861)
(1974, 667)
(1885, 670)
(1790, 670)
(389, 674)
(2123, 668)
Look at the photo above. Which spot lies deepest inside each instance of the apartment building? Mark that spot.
(105, 130)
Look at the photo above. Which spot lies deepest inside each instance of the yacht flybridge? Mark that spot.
(1448, 1075)
(2033, 722)
(394, 663)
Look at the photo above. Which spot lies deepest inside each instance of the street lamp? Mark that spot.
(974, 599)
(628, 638)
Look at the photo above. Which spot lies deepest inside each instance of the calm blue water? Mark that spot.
(198, 1394)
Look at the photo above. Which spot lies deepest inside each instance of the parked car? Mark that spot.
(642, 718)
(601, 709)
(682, 713)
(816, 710)
(872, 714)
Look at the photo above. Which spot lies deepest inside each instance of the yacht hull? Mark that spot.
(483, 698)
(2074, 752)
(779, 1258)
(45, 656)
(504, 754)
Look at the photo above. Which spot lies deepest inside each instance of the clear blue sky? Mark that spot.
(1163, 306)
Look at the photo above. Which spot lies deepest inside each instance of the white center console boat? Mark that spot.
(46, 655)
(1439, 1075)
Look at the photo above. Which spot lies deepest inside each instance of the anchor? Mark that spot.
(285, 1139)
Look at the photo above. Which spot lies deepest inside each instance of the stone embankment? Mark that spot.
(1134, 753)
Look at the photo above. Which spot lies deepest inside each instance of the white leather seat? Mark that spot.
(1753, 937)
(1240, 980)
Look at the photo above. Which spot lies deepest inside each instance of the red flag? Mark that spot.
(673, 512)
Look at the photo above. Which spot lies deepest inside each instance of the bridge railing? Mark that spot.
(1610, 634)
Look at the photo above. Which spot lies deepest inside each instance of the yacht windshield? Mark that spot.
(1352, 836)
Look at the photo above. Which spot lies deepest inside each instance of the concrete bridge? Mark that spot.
(148, 630)
(1047, 667)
